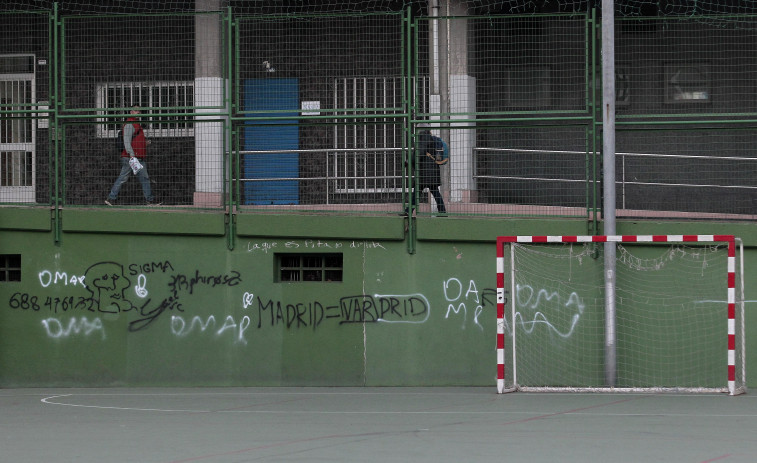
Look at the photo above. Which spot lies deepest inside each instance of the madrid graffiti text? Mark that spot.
(362, 308)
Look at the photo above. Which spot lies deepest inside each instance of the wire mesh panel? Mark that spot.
(318, 50)
(523, 169)
(320, 167)
(680, 172)
(175, 174)
(325, 97)
(130, 59)
(530, 70)
(170, 68)
(320, 99)
(687, 65)
(529, 63)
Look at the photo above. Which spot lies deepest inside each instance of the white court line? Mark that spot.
(486, 393)
(49, 401)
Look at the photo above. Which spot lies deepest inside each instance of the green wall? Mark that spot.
(188, 310)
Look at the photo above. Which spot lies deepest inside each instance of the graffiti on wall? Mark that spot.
(113, 288)
(159, 293)
(551, 309)
(461, 299)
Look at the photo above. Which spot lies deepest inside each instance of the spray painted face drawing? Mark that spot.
(108, 284)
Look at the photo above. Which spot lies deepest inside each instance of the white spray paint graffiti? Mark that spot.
(417, 296)
(453, 292)
(247, 299)
(539, 302)
(179, 326)
(141, 288)
(47, 278)
(266, 246)
(57, 329)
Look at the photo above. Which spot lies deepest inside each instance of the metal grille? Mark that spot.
(17, 133)
(172, 97)
(367, 158)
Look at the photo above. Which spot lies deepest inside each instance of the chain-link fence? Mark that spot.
(323, 106)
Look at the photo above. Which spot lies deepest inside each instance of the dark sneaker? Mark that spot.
(153, 203)
(110, 202)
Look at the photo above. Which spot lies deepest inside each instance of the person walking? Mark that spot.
(133, 160)
(431, 154)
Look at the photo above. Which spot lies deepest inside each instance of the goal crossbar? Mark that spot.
(729, 240)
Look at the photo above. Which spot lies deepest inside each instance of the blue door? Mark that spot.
(261, 95)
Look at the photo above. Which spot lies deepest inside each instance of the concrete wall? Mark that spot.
(157, 298)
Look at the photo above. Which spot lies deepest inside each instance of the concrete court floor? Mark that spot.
(234, 425)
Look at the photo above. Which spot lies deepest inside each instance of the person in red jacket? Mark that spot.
(132, 160)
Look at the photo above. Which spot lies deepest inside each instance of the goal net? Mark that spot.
(676, 323)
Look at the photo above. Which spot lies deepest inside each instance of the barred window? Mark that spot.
(309, 267)
(10, 267)
(171, 97)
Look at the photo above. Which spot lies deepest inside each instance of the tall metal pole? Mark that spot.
(608, 184)
(444, 69)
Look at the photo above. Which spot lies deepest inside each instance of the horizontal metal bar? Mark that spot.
(654, 155)
(276, 179)
(536, 179)
(327, 151)
(688, 185)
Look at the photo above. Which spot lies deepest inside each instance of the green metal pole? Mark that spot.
(55, 102)
(229, 142)
(410, 109)
(594, 126)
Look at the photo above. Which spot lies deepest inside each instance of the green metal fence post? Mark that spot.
(410, 100)
(56, 32)
(230, 135)
(591, 205)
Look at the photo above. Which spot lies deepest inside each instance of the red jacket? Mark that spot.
(138, 141)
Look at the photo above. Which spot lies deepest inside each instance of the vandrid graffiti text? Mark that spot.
(364, 308)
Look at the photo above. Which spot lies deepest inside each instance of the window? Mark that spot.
(10, 267)
(309, 267)
(368, 156)
(17, 132)
(175, 97)
(687, 83)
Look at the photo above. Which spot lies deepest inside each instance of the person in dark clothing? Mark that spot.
(430, 154)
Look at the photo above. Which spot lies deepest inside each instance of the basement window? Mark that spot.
(10, 267)
(309, 267)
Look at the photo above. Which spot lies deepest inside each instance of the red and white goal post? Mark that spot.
(677, 325)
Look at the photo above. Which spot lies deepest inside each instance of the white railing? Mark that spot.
(628, 176)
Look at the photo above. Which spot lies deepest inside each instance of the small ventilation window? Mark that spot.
(309, 267)
(10, 267)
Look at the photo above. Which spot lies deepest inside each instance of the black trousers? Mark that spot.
(435, 191)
